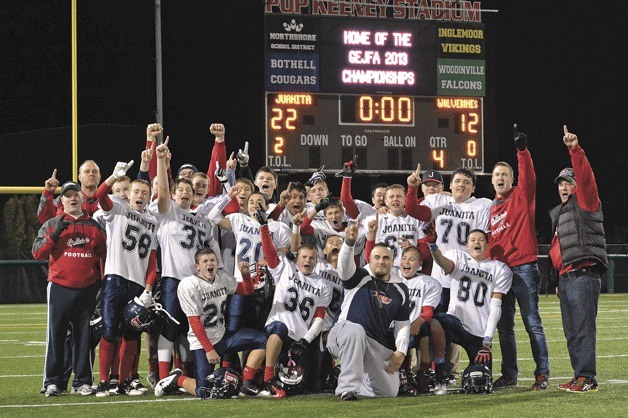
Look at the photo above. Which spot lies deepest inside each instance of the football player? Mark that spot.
(425, 293)
(327, 268)
(266, 182)
(478, 285)
(120, 189)
(334, 223)
(246, 230)
(291, 202)
(203, 297)
(130, 270)
(299, 303)
(396, 228)
(180, 235)
(453, 217)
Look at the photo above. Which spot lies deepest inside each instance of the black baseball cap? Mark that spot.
(187, 166)
(70, 185)
(431, 175)
(566, 174)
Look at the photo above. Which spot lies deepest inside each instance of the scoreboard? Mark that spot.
(394, 92)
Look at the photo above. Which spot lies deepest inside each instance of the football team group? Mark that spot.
(239, 289)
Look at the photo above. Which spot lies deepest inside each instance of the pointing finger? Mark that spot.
(167, 140)
(418, 169)
(231, 156)
(217, 166)
(565, 130)
(246, 147)
(54, 174)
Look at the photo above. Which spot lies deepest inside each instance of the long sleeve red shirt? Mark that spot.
(513, 231)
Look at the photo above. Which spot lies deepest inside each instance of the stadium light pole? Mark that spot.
(159, 116)
(74, 94)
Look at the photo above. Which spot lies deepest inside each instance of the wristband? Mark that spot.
(296, 229)
(433, 246)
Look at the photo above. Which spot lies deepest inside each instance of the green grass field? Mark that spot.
(22, 346)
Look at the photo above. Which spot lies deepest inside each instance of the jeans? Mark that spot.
(526, 283)
(579, 297)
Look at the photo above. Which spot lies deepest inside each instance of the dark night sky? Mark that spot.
(553, 63)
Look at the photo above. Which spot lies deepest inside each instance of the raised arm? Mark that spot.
(268, 247)
(152, 131)
(102, 194)
(527, 177)
(145, 160)
(306, 226)
(163, 192)
(413, 208)
(295, 238)
(215, 214)
(348, 170)
(346, 259)
(445, 263)
(284, 198)
(587, 192)
(246, 286)
(47, 208)
(371, 234)
(219, 156)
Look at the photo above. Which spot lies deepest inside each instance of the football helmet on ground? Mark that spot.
(290, 374)
(222, 383)
(477, 379)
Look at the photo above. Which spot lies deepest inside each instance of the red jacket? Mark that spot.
(513, 230)
(75, 259)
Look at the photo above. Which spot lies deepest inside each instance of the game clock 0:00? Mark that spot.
(388, 133)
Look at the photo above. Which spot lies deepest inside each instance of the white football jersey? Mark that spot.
(297, 297)
(366, 209)
(227, 250)
(285, 217)
(391, 227)
(98, 217)
(131, 236)
(472, 284)
(453, 222)
(424, 290)
(249, 239)
(209, 301)
(213, 235)
(180, 235)
(309, 206)
(329, 273)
